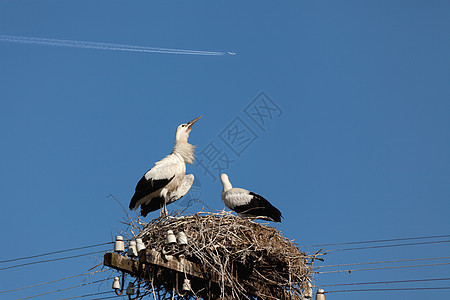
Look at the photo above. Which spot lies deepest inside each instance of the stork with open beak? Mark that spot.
(166, 182)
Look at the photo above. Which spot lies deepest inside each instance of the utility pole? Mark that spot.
(150, 262)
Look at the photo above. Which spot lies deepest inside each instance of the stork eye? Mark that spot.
(184, 125)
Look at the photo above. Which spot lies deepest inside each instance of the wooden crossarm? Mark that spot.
(121, 263)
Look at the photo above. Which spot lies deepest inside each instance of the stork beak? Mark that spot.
(189, 124)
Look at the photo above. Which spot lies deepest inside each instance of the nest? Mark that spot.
(240, 259)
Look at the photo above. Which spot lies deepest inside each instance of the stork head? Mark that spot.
(184, 129)
(225, 182)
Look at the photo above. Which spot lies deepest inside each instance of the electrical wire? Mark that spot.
(53, 281)
(386, 246)
(63, 289)
(330, 244)
(382, 262)
(392, 289)
(50, 260)
(115, 296)
(378, 241)
(383, 268)
(54, 252)
(387, 282)
(87, 295)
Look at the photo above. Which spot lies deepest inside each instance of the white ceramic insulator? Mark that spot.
(320, 294)
(132, 251)
(139, 245)
(119, 245)
(170, 237)
(186, 285)
(181, 238)
(116, 283)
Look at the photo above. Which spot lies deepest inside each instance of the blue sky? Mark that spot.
(358, 151)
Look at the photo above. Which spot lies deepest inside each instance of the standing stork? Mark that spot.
(246, 203)
(166, 182)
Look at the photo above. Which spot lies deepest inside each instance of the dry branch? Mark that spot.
(233, 257)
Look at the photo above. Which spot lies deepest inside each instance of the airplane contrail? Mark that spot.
(101, 46)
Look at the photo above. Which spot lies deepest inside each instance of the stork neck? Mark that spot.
(185, 150)
(226, 185)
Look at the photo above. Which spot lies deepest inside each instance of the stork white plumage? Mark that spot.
(166, 182)
(246, 203)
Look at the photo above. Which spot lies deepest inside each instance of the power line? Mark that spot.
(378, 241)
(53, 281)
(54, 252)
(391, 245)
(115, 296)
(63, 289)
(392, 289)
(50, 260)
(382, 262)
(383, 268)
(87, 295)
(386, 282)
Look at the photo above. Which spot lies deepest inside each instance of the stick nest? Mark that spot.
(250, 260)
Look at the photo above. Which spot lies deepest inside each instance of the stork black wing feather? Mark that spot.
(259, 206)
(145, 187)
(154, 204)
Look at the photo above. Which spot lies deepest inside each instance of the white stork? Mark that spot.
(246, 203)
(166, 182)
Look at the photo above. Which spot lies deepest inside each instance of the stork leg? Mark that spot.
(164, 211)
